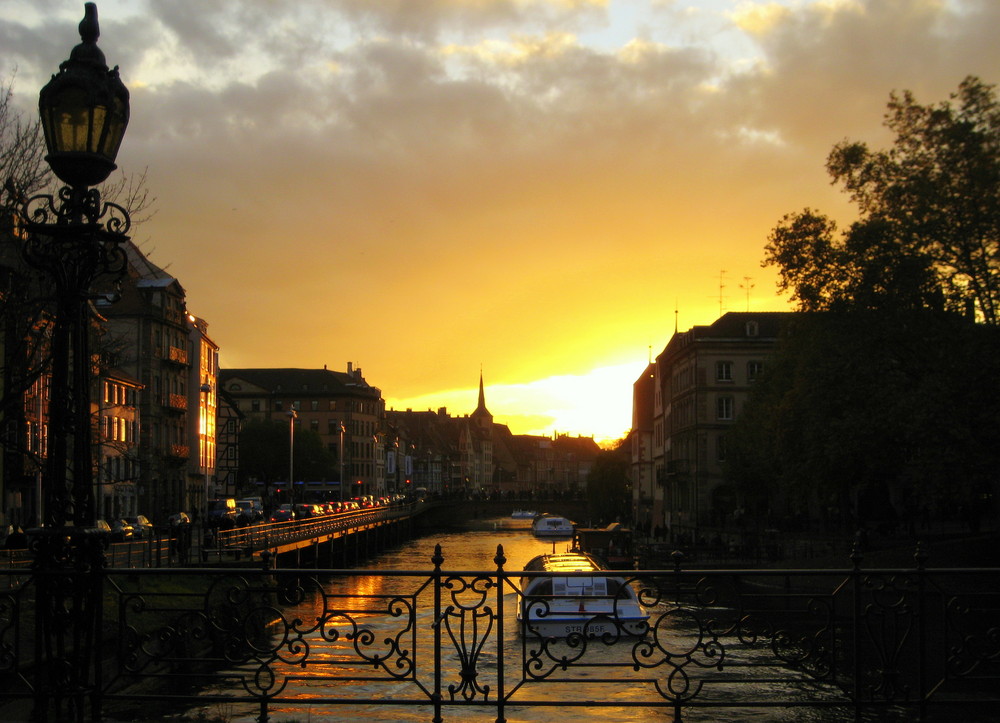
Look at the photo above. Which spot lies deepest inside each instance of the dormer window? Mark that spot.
(752, 328)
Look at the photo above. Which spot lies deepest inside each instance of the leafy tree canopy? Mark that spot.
(928, 232)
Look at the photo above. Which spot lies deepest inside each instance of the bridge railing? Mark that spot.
(275, 534)
(855, 643)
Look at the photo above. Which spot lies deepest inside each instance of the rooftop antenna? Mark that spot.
(722, 297)
(747, 286)
(677, 312)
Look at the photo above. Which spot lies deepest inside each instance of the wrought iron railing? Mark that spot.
(861, 644)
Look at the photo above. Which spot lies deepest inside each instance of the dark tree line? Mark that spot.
(264, 450)
(608, 496)
(882, 406)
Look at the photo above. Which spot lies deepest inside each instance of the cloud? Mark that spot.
(424, 187)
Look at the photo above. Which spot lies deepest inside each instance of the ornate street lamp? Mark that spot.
(74, 240)
(84, 111)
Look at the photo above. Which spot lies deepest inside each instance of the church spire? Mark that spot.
(482, 415)
(482, 394)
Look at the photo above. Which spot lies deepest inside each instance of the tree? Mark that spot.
(607, 485)
(26, 296)
(264, 446)
(22, 150)
(867, 418)
(928, 233)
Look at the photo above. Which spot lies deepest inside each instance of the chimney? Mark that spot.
(350, 367)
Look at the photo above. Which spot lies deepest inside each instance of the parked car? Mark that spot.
(304, 511)
(179, 519)
(142, 528)
(104, 527)
(248, 513)
(222, 513)
(284, 513)
(121, 531)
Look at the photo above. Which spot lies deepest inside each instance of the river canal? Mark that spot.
(370, 601)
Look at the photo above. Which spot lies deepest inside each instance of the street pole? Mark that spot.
(74, 239)
(342, 430)
(291, 454)
(206, 390)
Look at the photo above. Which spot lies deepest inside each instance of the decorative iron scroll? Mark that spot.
(852, 642)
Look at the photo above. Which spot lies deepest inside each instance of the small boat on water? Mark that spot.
(524, 514)
(592, 605)
(552, 526)
(611, 545)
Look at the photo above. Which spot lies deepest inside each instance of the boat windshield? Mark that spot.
(603, 587)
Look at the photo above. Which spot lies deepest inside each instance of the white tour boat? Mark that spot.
(557, 606)
(552, 526)
(524, 514)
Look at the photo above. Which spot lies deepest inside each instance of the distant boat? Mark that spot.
(558, 606)
(611, 545)
(552, 526)
(524, 514)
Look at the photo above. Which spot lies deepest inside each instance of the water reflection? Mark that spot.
(371, 641)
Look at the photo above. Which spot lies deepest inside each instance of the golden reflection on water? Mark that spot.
(369, 641)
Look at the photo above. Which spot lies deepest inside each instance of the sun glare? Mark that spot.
(597, 403)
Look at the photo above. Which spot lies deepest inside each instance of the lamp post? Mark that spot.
(74, 239)
(203, 408)
(342, 431)
(292, 415)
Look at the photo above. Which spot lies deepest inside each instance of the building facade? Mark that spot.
(341, 407)
(700, 382)
(473, 456)
(148, 339)
(117, 477)
(203, 394)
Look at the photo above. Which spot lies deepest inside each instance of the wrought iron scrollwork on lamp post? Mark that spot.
(75, 240)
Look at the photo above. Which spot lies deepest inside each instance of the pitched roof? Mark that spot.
(311, 381)
(733, 326)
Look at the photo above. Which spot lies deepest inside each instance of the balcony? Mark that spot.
(175, 354)
(176, 402)
(178, 451)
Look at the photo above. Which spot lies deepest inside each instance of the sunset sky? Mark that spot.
(538, 189)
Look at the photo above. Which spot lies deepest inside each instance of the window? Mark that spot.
(724, 408)
(254, 405)
(314, 405)
(720, 448)
(754, 370)
(724, 371)
(278, 405)
(314, 425)
(752, 328)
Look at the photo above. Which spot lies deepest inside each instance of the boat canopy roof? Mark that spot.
(564, 562)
